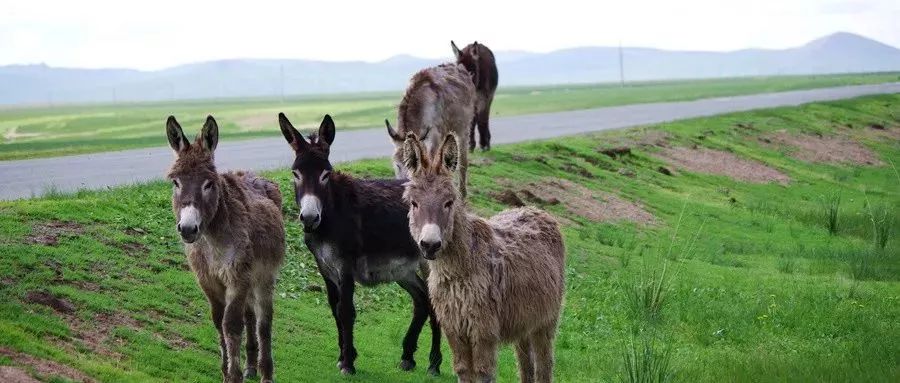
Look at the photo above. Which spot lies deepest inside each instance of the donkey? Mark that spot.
(479, 61)
(233, 236)
(491, 281)
(358, 231)
(439, 99)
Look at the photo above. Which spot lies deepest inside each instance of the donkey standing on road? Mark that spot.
(233, 235)
(479, 61)
(358, 231)
(491, 281)
(439, 101)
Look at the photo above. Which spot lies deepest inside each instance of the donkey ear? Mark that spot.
(412, 153)
(176, 136)
(391, 132)
(449, 153)
(291, 135)
(456, 51)
(209, 135)
(326, 129)
(475, 49)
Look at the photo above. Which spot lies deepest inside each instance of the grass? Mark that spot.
(732, 312)
(646, 363)
(32, 132)
(831, 206)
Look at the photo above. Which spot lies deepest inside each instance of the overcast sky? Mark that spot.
(158, 34)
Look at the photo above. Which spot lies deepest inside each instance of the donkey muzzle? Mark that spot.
(430, 249)
(189, 233)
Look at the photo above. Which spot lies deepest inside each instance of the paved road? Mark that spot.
(29, 178)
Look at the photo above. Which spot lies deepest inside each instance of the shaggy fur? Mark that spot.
(491, 281)
(439, 101)
(236, 251)
(479, 61)
(361, 235)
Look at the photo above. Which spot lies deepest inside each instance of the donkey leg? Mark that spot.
(462, 357)
(217, 310)
(233, 324)
(484, 356)
(542, 341)
(333, 295)
(434, 358)
(347, 317)
(416, 290)
(472, 136)
(463, 165)
(264, 315)
(484, 131)
(252, 344)
(525, 358)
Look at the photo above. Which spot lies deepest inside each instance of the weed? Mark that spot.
(881, 218)
(645, 363)
(831, 206)
(647, 295)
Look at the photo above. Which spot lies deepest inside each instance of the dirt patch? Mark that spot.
(508, 198)
(60, 305)
(44, 368)
(48, 233)
(14, 375)
(710, 161)
(581, 201)
(835, 149)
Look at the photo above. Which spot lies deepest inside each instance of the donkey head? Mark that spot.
(196, 187)
(400, 169)
(431, 195)
(468, 57)
(311, 169)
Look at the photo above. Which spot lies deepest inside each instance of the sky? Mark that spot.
(150, 35)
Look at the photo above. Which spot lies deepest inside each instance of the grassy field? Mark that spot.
(724, 280)
(62, 130)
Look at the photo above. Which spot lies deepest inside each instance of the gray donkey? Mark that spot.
(491, 281)
(233, 234)
(439, 101)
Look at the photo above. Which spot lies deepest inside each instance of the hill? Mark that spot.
(40, 84)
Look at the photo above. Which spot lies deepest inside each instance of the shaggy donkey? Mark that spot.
(491, 281)
(358, 232)
(233, 235)
(439, 101)
(479, 61)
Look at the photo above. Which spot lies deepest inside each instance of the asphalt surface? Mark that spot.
(31, 178)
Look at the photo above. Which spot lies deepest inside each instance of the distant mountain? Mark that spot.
(40, 84)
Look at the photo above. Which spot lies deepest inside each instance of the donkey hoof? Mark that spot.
(434, 371)
(348, 370)
(407, 365)
(249, 373)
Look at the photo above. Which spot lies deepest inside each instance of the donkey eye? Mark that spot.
(324, 177)
(414, 205)
(207, 185)
(175, 183)
(448, 204)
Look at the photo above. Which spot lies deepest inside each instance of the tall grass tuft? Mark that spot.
(881, 218)
(647, 295)
(831, 206)
(645, 363)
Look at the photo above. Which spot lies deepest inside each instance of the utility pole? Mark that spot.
(621, 66)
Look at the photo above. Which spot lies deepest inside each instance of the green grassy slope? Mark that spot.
(46, 132)
(755, 288)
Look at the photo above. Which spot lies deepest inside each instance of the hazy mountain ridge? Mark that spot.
(40, 84)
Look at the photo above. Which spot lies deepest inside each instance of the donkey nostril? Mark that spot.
(178, 226)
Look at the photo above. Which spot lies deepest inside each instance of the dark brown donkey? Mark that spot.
(358, 231)
(479, 61)
(233, 235)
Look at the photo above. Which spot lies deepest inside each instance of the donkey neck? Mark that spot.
(224, 221)
(462, 256)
